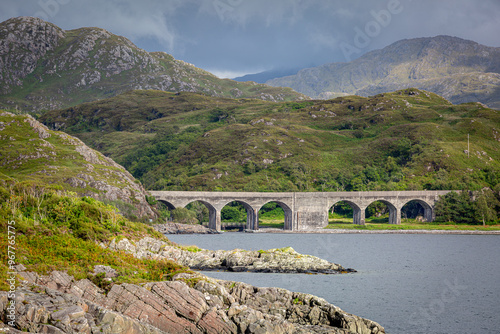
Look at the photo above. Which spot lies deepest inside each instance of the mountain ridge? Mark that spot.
(457, 69)
(45, 67)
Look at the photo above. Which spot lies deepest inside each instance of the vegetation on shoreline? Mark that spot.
(408, 224)
(56, 230)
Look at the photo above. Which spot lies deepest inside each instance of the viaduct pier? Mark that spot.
(303, 211)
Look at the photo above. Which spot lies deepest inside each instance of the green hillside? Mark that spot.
(405, 140)
(43, 67)
(33, 154)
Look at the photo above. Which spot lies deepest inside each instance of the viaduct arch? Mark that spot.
(303, 211)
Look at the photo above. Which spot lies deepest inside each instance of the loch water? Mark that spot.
(432, 284)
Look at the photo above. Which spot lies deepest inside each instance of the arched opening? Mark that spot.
(236, 215)
(341, 213)
(382, 212)
(196, 212)
(164, 209)
(345, 212)
(416, 211)
(275, 215)
(377, 213)
(200, 211)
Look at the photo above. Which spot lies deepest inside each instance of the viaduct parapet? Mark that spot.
(303, 211)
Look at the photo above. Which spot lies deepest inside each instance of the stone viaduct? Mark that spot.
(303, 211)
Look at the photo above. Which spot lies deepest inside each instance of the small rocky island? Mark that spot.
(279, 260)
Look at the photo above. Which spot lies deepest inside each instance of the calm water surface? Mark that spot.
(407, 283)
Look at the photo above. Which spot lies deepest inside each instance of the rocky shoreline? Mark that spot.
(175, 228)
(279, 260)
(188, 303)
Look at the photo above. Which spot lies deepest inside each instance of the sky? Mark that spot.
(235, 37)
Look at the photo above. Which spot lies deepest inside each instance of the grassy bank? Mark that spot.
(382, 224)
(51, 230)
(406, 224)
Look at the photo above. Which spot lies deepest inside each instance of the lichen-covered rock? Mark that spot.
(174, 228)
(280, 260)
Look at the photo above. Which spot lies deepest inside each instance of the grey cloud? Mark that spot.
(251, 35)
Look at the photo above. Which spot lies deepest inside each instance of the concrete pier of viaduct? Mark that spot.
(303, 211)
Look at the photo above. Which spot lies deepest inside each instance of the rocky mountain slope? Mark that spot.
(31, 152)
(405, 140)
(45, 67)
(459, 70)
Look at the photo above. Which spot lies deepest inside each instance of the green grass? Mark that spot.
(381, 223)
(407, 224)
(279, 224)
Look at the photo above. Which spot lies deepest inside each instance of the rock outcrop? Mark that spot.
(175, 228)
(188, 304)
(282, 260)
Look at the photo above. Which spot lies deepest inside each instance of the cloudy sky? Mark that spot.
(236, 37)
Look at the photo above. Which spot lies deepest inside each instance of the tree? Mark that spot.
(232, 214)
(486, 205)
(200, 210)
(456, 207)
(184, 216)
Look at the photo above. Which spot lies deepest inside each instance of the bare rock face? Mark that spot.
(50, 311)
(459, 70)
(31, 151)
(59, 304)
(175, 228)
(22, 43)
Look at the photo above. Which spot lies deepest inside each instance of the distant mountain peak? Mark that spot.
(456, 68)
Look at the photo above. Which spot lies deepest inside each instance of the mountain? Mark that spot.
(33, 154)
(459, 70)
(405, 140)
(45, 67)
(262, 77)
